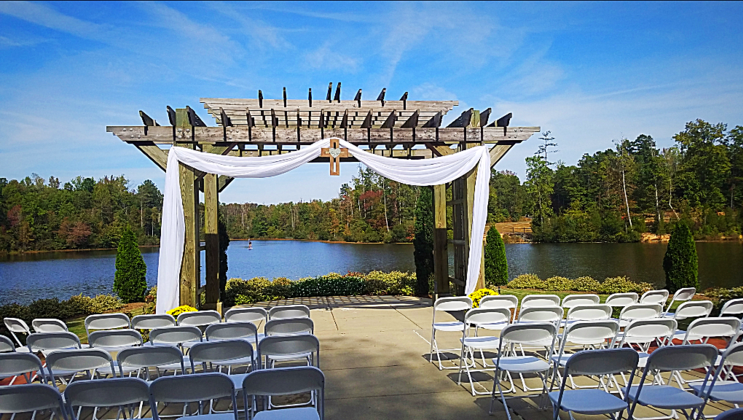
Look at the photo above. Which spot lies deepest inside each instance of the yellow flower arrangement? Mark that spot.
(477, 295)
(181, 309)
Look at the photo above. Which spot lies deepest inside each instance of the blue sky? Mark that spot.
(591, 73)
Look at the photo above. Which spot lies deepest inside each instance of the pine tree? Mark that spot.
(130, 281)
(680, 261)
(496, 265)
(423, 242)
(224, 242)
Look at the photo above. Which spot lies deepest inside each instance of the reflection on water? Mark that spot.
(63, 274)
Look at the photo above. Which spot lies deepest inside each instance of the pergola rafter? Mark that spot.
(262, 127)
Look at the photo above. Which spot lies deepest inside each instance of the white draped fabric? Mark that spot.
(422, 172)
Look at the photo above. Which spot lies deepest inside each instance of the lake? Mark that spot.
(24, 278)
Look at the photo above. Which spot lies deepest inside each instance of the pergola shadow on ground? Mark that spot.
(374, 353)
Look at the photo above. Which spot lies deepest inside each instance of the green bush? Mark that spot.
(280, 287)
(330, 285)
(130, 281)
(496, 265)
(527, 281)
(558, 283)
(586, 284)
(623, 285)
(250, 291)
(680, 261)
(392, 283)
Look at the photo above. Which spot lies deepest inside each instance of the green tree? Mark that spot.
(539, 185)
(224, 242)
(496, 265)
(423, 242)
(680, 261)
(130, 282)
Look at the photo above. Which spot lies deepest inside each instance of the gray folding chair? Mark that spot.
(732, 414)
(16, 364)
(285, 381)
(68, 363)
(289, 326)
(152, 321)
(175, 336)
(124, 394)
(143, 358)
(681, 295)
(48, 342)
(289, 311)
(17, 326)
(185, 389)
(106, 322)
(6, 346)
(199, 318)
(448, 305)
(284, 348)
(233, 330)
(114, 340)
(669, 359)
(221, 353)
(720, 389)
(593, 401)
(31, 398)
(44, 325)
(254, 314)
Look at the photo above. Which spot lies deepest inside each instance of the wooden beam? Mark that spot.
(194, 119)
(484, 116)
(497, 152)
(412, 122)
(158, 156)
(330, 91)
(367, 121)
(337, 97)
(260, 99)
(463, 120)
(434, 122)
(146, 120)
(380, 97)
(390, 121)
(189, 276)
(171, 115)
(357, 98)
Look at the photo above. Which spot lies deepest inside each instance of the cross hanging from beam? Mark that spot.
(334, 152)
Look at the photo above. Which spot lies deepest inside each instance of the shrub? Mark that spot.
(623, 285)
(586, 284)
(105, 303)
(328, 286)
(477, 295)
(680, 261)
(526, 281)
(392, 283)
(253, 290)
(150, 300)
(130, 281)
(280, 287)
(557, 283)
(496, 265)
(49, 308)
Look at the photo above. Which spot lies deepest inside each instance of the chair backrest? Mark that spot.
(655, 296)
(682, 358)
(286, 381)
(643, 331)
(640, 311)
(602, 362)
(289, 346)
(571, 301)
(16, 326)
(733, 356)
(6, 345)
(43, 325)
(706, 328)
(45, 342)
(175, 335)
(499, 301)
(31, 397)
(452, 304)
(289, 311)
(541, 314)
(684, 294)
(539, 301)
(622, 299)
(480, 316)
(112, 339)
(114, 392)
(733, 307)
(78, 360)
(199, 318)
(289, 326)
(231, 331)
(732, 414)
(18, 363)
(254, 315)
(149, 356)
(106, 322)
(590, 333)
(192, 388)
(218, 351)
(589, 312)
(528, 334)
(694, 309)
(152, 321)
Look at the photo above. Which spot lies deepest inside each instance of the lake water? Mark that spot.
(63, 274)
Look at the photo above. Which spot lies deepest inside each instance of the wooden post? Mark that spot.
(211, 237)
(190, 267)
(440, 252)
(471, 177)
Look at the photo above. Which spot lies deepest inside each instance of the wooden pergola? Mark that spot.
(261, 127)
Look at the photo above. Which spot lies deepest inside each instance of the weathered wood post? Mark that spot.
(440, 252)
(211, 238)
(190, 267)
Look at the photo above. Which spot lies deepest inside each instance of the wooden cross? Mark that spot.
(334, 152)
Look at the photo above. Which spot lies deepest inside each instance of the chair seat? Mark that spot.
(522, 364)
(285, 357)
(588, 401)
(664, 396)
(189, 344)
(563, 359)
(486, 342)
(449, 326)
(303, 413)
(232, 362)
(107, 370)
(731, 391)
(177, 366)
(492, 326)
(218, 416)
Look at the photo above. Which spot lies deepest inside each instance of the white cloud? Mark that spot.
(326, 58)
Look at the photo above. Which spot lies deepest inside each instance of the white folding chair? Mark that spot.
(48, 342)
(448, 305)
(583, 335)
(106, 322)
(694, 309)
(222, 353)
(233, 330)
(289, 311)
(289, 326)
(6, 346)
(181, 336)
(44, 325)
(702, 329)
(152, 321)
(509, 302)
(655, 296)
(531, 334)
(539, 301)
(185, 389)
(162, 356)
(199, 318)
(571, 301)
(124, 394)
(733, 307)
(68, 363)
(621, 299)
(475, 318)
(681, 295)
(283, 348)
(593, 312)
(15, 364)
(17, 326)
(552, 314)
(31, 398)
(254, 314)
(724, 389)
(639, 311)
(643, 332)
(285, 381)
(114, 340)
(593, 401)
(666, 396)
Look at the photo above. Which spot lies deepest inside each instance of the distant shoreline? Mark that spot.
(320, 240)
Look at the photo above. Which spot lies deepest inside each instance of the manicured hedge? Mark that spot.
(581, 284)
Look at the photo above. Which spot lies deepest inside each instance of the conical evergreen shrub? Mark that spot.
(423, 242)
(496, 265)
(680, 261)
(130, 282)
